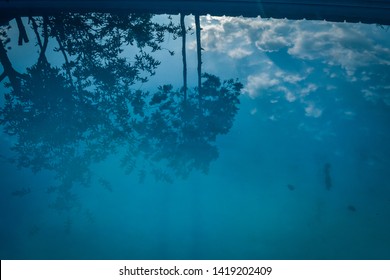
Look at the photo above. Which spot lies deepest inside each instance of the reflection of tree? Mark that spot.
(8, 71)
(67, 116)
(198, 52)
(180, 135)
(184, 56)
(92, 46)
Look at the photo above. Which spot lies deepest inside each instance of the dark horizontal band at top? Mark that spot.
(333, 10)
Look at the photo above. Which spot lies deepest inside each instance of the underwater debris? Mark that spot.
(351, 208)
(328, 178)
(21, 192)
(291, 187)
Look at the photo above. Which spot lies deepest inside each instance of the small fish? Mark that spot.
(291, 187)
(351, 208)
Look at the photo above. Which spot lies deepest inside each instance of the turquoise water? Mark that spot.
(281, 152)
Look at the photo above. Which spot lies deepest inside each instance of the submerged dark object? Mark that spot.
(21, 192)
(351, 208)
(34, 230)
(328, 178)
(291, 187)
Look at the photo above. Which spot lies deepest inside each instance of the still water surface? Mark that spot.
(168, 137)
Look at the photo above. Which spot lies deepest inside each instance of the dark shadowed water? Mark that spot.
(167, 137)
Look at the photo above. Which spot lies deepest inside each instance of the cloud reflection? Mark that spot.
(295, 58)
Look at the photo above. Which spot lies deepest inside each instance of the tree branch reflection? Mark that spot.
(68, 115)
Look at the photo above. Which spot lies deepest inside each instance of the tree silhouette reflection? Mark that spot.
(66, 117)
(181, 134)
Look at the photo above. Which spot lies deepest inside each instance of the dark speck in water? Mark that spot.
(21, 192)
(328, 178)
(351, 208)
(291, 187)
(34, 230)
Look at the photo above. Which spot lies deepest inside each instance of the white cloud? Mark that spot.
(253, 111)
(349, 46)
(330, 87)
(312, 111)
(270, 44)
(308, 89)
(276, 82)
(239, 52)
(334, 51)
(377, 93)
(293, 79)
(226, 35)
(256, 83)
(290, 96)
(350, 115)
(272, 118)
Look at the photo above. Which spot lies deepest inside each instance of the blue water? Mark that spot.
(288, 159)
